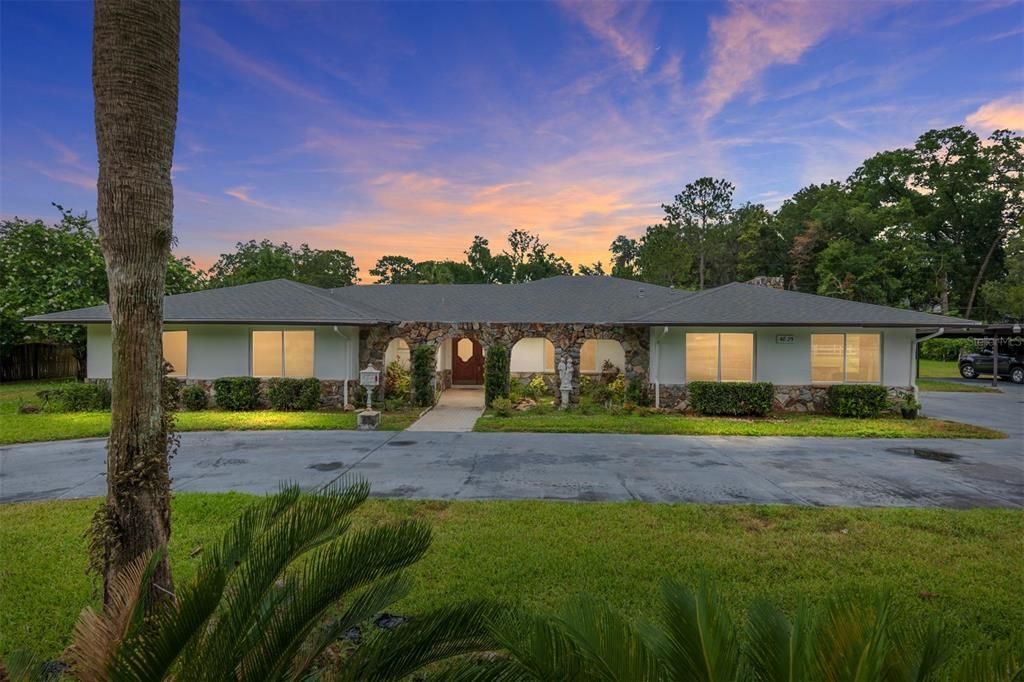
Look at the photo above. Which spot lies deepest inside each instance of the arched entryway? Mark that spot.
(467, 362)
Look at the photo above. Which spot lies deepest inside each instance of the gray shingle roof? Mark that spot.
(278, 301)
(740, 304)
(591, 300)
(594, 300)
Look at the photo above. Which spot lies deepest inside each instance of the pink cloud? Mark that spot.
(620, 25)
(68, 176)
(1007, 112)
(752, 37)
(244, 194)
(261, 72)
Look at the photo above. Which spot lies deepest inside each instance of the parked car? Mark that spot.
(1011, 365)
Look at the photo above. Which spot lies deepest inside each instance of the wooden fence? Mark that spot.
(37, 361)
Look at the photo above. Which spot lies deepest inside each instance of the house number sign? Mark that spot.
(784, 338)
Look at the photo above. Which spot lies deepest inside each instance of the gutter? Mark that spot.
(913, 365)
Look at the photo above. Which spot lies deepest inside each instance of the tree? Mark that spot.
(531, 260)
(624, 255)
(265, 260)
(488, 268)
(703, 207)
(595, 270)
(1005, 297)
(48, 268)
(135, 86)
(664, 257)
(393, 269)
(761, 248)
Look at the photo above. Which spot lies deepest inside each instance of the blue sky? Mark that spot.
(406, 128)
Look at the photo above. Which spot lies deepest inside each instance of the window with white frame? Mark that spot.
(285, 353)
(176, 352)
(846, 358)
(720, 357)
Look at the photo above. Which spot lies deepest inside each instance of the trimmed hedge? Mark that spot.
(496, 374)
(291, 395)
(76, 397)
(237, 394)
(423, 367)
(194, 398)
(731, 398)
(946, 349)
(857, 400)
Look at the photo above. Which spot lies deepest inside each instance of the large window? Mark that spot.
(720, 357)
(853, 358)
(286, 353)
(176, 352)
(594, 353)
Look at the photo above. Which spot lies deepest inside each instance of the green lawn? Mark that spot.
(939, 369)
(775, 425)
(934, 386)
(28, 428)
(963, 566)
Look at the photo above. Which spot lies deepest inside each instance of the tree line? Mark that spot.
(935, 226)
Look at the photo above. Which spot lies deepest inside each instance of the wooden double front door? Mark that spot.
(467, 361)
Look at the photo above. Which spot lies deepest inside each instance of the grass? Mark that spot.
(29, 428)
(964, 567)
(942, 369)
(775, 425)
(953, 387)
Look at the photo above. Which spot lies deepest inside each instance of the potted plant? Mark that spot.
(910, 407)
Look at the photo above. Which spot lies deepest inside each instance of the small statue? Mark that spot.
(565, 374)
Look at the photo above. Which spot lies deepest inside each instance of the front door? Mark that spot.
(467, 361)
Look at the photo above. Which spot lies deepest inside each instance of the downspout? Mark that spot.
(348, 366)
(657, 368)
(913, 359)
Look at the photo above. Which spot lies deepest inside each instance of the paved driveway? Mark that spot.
(816, 471)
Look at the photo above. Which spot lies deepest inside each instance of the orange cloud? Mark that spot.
(1007, 112)
(244, 195)
(619, 25)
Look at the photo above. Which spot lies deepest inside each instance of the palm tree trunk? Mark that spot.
(135, 85)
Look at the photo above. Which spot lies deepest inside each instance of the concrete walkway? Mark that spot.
(456, 411)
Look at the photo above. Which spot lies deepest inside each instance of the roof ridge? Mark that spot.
(326, 295)
(687, 299)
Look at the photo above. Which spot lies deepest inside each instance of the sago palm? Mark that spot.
(694, 638)
(272, 600)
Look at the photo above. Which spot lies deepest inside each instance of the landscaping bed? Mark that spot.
(643, 421)
(47, 426)
(960, 566)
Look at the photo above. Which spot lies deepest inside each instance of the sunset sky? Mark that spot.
(406, 128)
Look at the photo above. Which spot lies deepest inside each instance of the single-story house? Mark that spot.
(662, 336)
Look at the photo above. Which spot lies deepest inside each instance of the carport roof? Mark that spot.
(583, 300)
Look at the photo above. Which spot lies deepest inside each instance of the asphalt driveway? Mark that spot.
(814, 471)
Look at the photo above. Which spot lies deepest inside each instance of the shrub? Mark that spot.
(502, 407)
(536, 388)
(731, 398)
(423, 364)
(194, 398)
(636, 392)
(76, 397)
(237, 393)
(856, 400)
(172, 387)
(293, 394)
(397, 382)
(946, 349)
(496, 377)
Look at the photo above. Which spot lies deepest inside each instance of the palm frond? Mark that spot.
(538, 645)
(22, 666)
(1002, 662)
(326, 575)
(697, 639)
(610, 645)
(779, 650)
(99, 635)
(854, 642)
(441, 635)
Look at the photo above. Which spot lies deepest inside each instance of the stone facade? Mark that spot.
(787, 398)
(567, 338)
